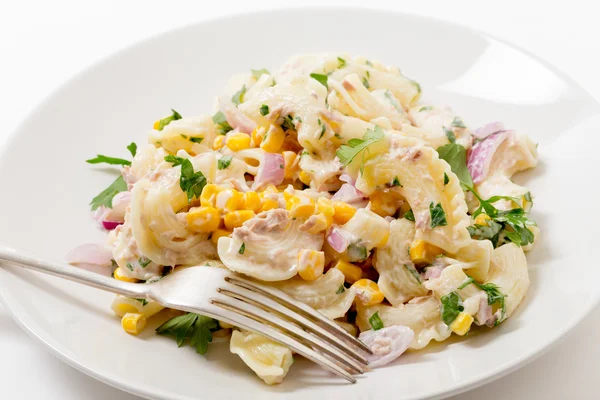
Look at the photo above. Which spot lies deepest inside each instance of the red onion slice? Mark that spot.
(237, 119)
(111, 225)
(271, 171)
(94, 257)
(482, 153)
(337, 240)
(488, 129)
(387, 344)
(348, 194)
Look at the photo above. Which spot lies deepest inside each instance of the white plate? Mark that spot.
(46, 188)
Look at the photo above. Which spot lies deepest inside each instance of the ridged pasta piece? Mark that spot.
(421, 174)
(509, 272)
(122, 305)
(450, 279)
(396, 281)
(266, 247)
(422, 315)
(270, 360)
(177, 134)
(432, 120)
(147, 159)
(476, 255)
(323, 294)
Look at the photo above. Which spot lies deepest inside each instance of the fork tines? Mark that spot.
(275, 314)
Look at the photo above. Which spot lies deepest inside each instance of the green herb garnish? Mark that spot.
(323, 129)
(375, 321)
(450, 135)
(107, 160)
(426, 108)
(446, 179)
(167, 120)
(224, 162)
(340, 290)
(144, 261)
(341, 62)
(238, 97)
(346, 153)
(242, 248)
(456, 156)
(322, 79)
(197, 329)
(256, 73)
(132, 149)
(457, 123)
(409, 215)
(221, 122)
(190, 182)
(393, 101)
(264, 110)
(451, 307)
(413, 271)
(396, 182)
(366, 83)
(105, 197)
(438, 216)
(143, 301)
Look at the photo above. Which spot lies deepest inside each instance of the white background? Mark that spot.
(43, 43)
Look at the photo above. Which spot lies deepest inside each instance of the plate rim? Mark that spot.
(66, 356)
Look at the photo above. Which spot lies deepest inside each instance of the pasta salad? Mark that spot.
(331, 181)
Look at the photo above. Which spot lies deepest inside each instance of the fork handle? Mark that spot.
(73, 274)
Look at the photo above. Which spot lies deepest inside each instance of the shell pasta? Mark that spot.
(330, 181)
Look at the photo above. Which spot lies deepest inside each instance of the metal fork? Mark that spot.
(235, 299)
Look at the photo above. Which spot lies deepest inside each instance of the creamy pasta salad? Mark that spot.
(330, 181)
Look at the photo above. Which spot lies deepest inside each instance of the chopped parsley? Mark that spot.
(174, 160)
(107, 160)
(221, 122)
(144, 261)
(446, 179)
(356, 252)
(425, 108)
(196, 329)
(242, 248)
(190, 182)
(366, 83)
(323, 128)
(409, 215)
(451, 307)
(375, 321)
(264, 110)
(490, 231)
(288, 123)
(129, 266)
(143, 301)
(341, 62)
(132, 149)
(167, 120)
(369, 63)
(438, 216)
(456, 156)
(322, 79)
(466, 283)
(224, 162)
(413, 271)
(257, 73)
(346, 153)
(396, 182)
(338, 136)
(196, 139)
(416, 85)
(105, 197)
(457, 123)
(494, 296)
(450, 135)
(393, 101)
(238, 97)
(340, 290)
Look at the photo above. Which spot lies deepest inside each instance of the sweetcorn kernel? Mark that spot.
(203, 219)
(310, 264)
(482, 219)
(156, 125)
(229, 200)
(238, 142)
(268, 204)
(257, 135)
(133, 323)
(368, 292)
(423, 253)
(351, 272)
(304, 178)
(219, 233)
(289, 161)
(118, 274)
(251, 201)
(385, 204)
(325, 206)
(462, 324)
(321, 223)
(273, 140)
(218, 142)
(343, 212)
(300, 206)
(236, 219)
(207, 197)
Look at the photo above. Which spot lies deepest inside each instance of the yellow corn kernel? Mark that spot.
(343, 212)
(218, 142)
(368, 292)
(271, 189)
(236, 219)
(238, 142)
(311, 264)
(124, 308)
(229, 200)
(288, 194)
(251, 201)
(482, 219)
(203, 219)
(384, 204)
(219, 233)
(156, 124)
(118, 274)
(225, 325)
(325, 206)
(461, 324)
(423, 253)
(321, 224)
(291, 166)
(268, 204)
(133, 323)
(304, 178)
(257, 135)
(273, 140)
(351, 272)
(300, 206)
(208, 195)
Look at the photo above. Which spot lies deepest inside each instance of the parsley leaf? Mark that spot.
(174, 160)
(414, 272)
(190, 182)
(346, 153)
(438, 216)
(451, 307)
(322, 79)
(323, 128)
(107, 160)
(340, 290)
(288, 124)
(393, 101)
(483, 232)
(450, 135)
(242, 248)
(132, 149)
(426, 108)
(409, 215)
(456, 156)
(494, 296)
(264, 110)
(105, 197)
(238, 97)
(446, 179)
(366, 83)
(143, 301)
(396, 182)
(195, 328)
(257, 73)
(144, 261)
(375, 321)
(466, 283)
(167, 120)
(224, 162)
(457, 123)
(195, 139)
(221, 122)
(341, 62)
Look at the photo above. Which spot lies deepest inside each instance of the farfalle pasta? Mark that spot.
(330, 181)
